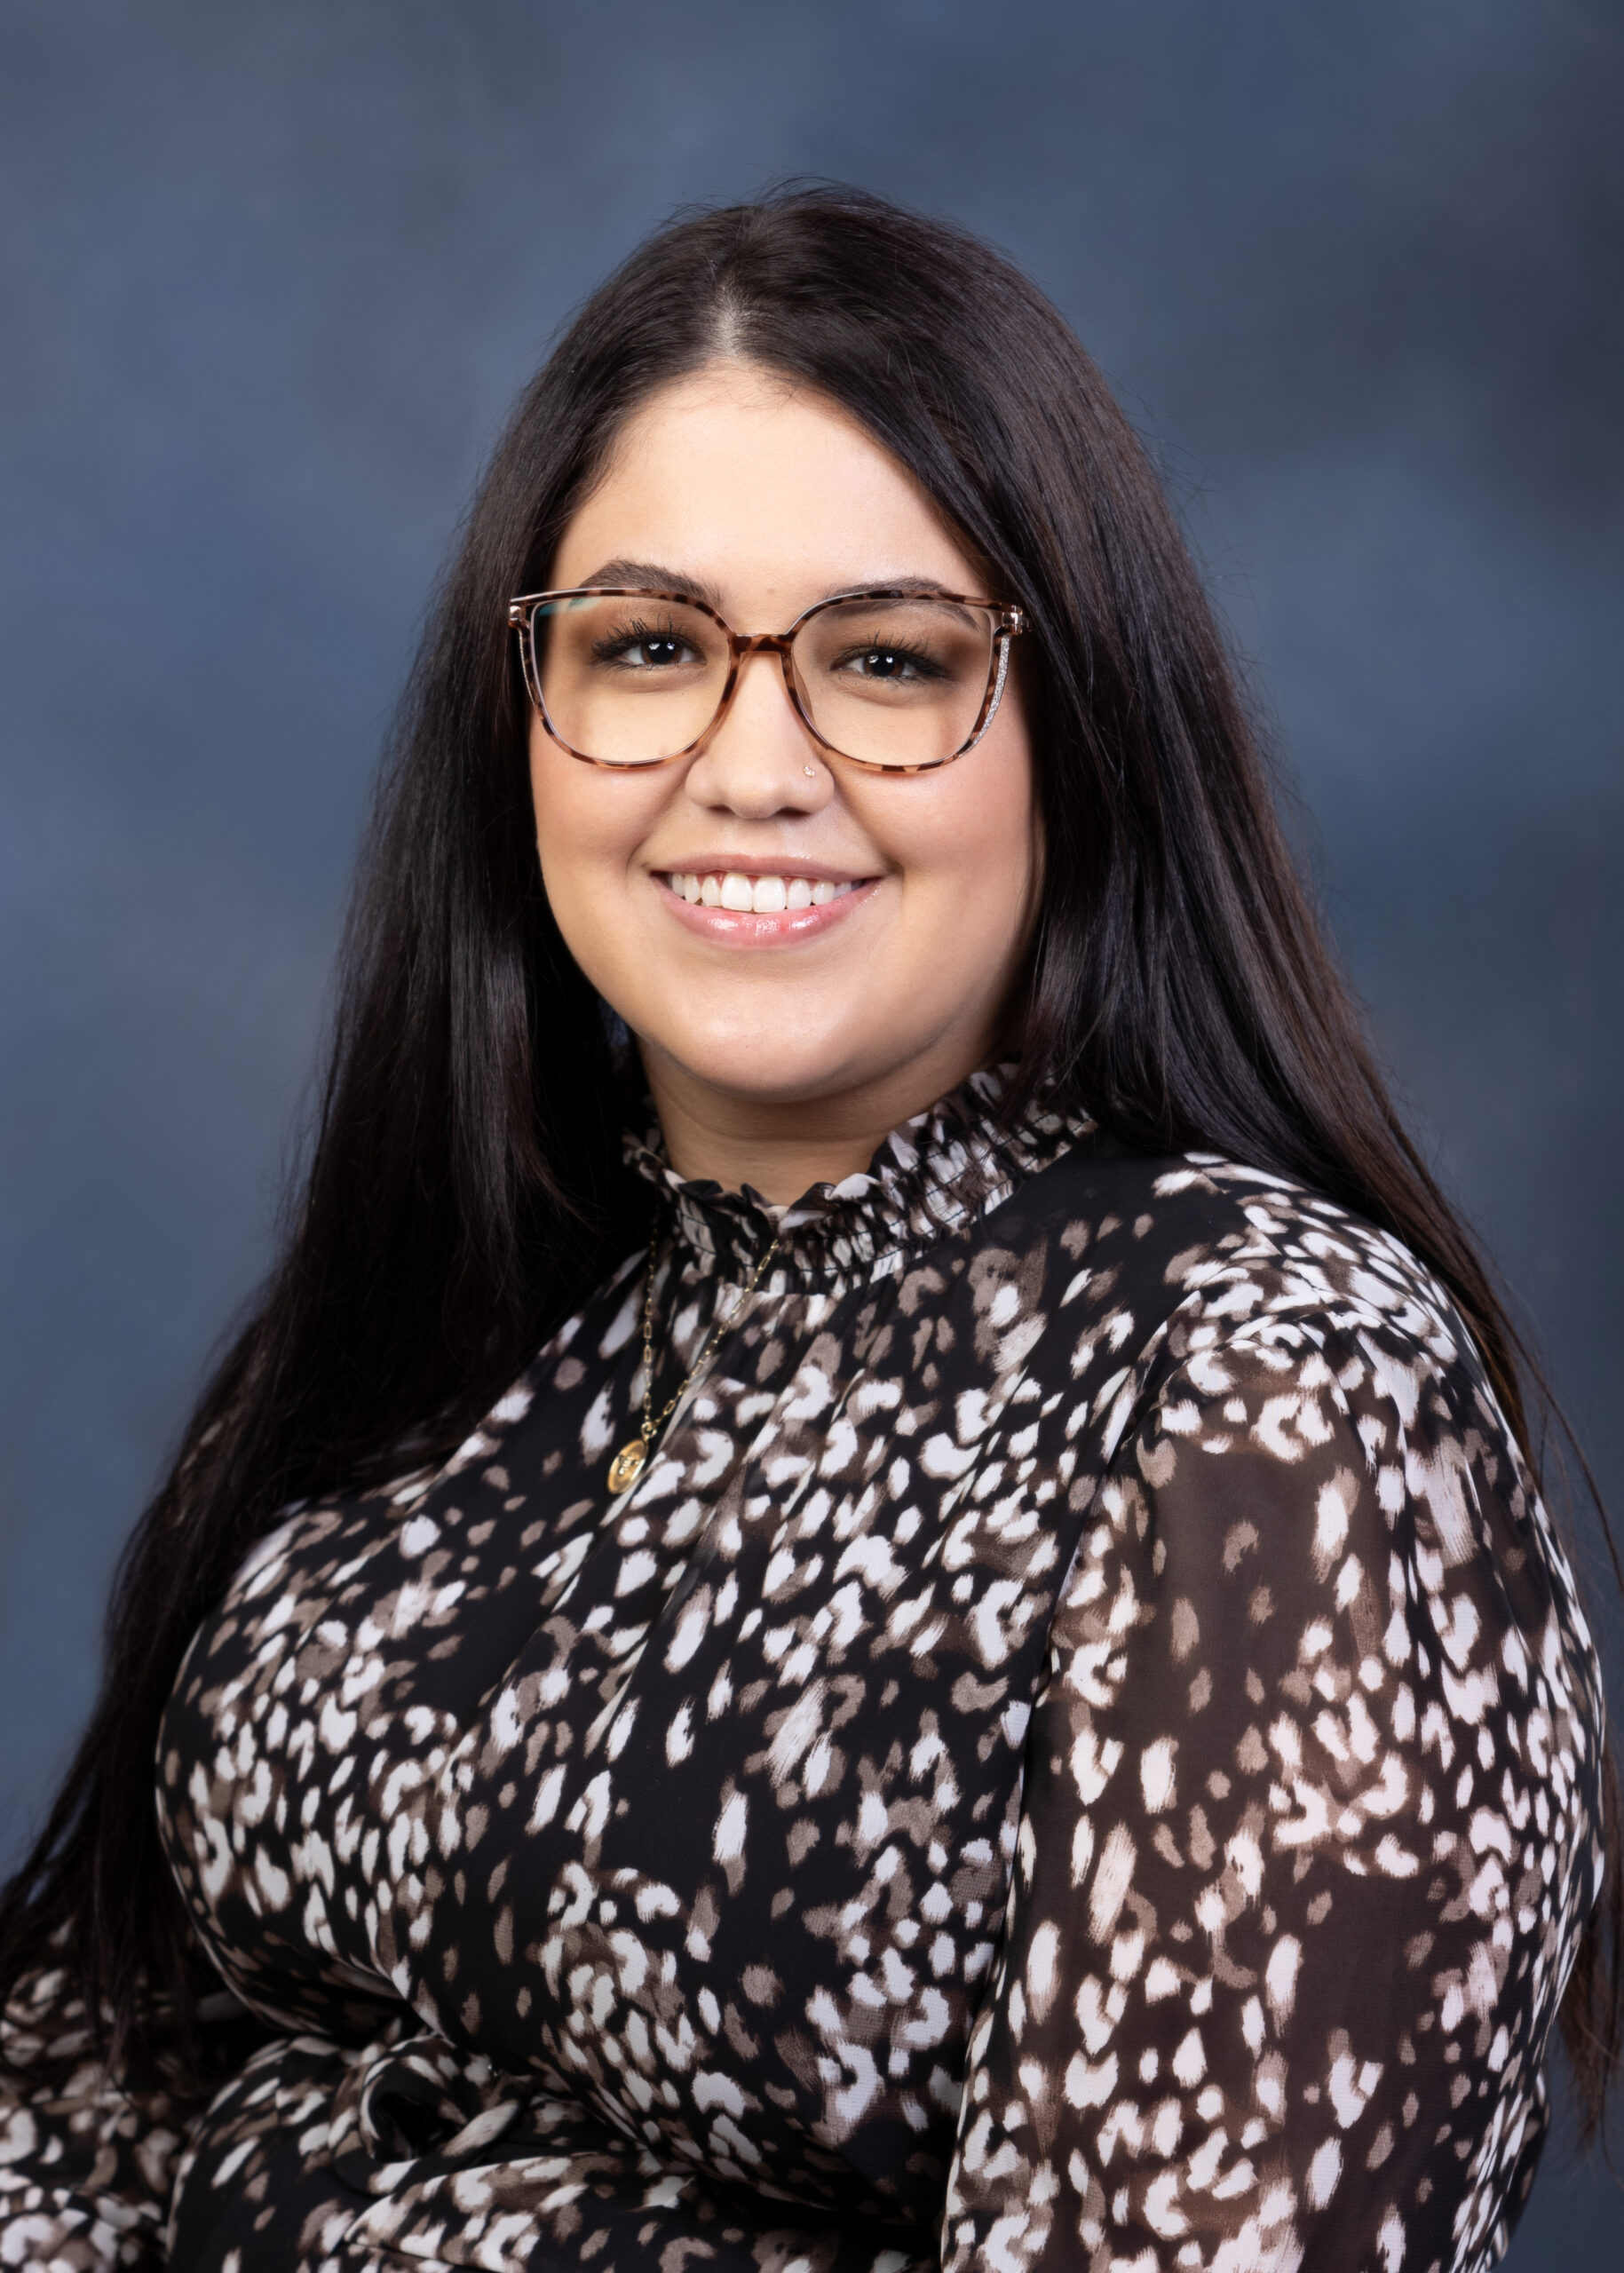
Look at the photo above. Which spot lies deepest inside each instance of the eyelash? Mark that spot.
(614, 645)
(860, 647)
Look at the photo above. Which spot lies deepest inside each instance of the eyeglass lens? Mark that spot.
(629, 682)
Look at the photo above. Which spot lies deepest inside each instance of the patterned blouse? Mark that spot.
(1079, 1751)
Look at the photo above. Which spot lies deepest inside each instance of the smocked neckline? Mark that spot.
(934, 1175)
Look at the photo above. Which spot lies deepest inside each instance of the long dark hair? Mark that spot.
(463, 1187)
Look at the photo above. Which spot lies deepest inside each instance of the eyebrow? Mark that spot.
(651, 575)
(654, 575)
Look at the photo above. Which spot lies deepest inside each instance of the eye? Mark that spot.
(644, 647)
(887, 665)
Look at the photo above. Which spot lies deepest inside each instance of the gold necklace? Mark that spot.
(629, 1462)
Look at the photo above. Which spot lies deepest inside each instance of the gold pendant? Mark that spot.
(628, 1465)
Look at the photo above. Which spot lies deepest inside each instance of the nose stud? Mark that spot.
(809, 769)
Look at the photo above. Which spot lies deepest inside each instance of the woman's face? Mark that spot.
(765, 499)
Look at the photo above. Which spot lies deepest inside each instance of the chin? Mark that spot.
(770, 1059)
(791, 1079)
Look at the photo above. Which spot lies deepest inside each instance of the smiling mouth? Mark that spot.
(745, 893)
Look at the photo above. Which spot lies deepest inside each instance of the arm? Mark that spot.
(88, 2157)
(1309, 1833)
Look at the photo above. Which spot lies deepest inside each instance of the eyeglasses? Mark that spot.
(897, 682)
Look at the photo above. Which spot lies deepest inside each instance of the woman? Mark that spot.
(867, 1594)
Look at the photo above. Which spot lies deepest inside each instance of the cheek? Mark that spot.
(588, 824)
(983, 848)
(582, 843)
(565, 824)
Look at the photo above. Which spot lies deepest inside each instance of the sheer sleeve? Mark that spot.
(88, 2157)
(1308, 1835)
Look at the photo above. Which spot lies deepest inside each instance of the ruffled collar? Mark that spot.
(935, 1174)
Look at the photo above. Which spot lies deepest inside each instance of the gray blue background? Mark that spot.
(270, 277)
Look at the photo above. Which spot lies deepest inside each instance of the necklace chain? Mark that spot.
(633, 1458)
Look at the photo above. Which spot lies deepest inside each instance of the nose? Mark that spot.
(759, 759)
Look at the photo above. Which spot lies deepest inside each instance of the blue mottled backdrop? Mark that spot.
(270, 277)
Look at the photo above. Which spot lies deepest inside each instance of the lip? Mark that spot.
(731, 927)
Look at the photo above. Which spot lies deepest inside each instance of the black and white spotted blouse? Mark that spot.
(1079, 1752)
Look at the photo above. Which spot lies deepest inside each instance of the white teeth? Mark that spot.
(754, 895)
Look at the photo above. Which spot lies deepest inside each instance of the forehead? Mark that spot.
(741, 476)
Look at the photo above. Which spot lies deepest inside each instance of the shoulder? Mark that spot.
(1303, 1416)
(1189, 1255)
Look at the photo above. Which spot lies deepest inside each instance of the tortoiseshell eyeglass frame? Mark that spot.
(1008, 622)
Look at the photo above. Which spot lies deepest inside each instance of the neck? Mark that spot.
(782, 1147)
